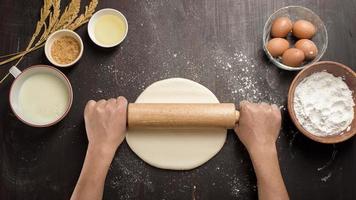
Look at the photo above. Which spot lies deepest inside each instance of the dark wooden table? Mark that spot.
(216, 43)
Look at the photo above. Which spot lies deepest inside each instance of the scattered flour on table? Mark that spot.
(239, 76)
(247, 79)
(240, 186)
(128, 176)
(323, 104)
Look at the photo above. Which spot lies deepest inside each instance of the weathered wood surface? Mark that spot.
(216, 43)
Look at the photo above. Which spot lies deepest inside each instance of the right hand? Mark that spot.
(258, 126)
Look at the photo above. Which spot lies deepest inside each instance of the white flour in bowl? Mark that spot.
(323, 104)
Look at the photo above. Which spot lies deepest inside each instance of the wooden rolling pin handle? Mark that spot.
(237, 116)
(160, 115)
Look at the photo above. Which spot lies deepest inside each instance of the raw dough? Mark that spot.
(176, 149)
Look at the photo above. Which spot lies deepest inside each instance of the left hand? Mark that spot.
(105, 123)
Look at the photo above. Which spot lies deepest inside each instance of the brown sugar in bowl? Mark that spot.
(61, 34)
(338, 70)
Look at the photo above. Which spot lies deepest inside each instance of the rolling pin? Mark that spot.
(181, 115)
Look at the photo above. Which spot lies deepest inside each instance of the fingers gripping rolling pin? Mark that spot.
(158, 115)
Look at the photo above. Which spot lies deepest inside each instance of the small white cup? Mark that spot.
(96, 16)
(61, 33)
(21, 77)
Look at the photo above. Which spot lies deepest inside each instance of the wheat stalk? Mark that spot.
(84, 18)
(69, 14)
(45, 11)
(11, 54)
(53, 19)
(51, 12)
(19, 56)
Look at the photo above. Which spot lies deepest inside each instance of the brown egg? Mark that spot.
(303, 29)
(281, 27)
(293, 57)
(277, 46)
(308, 47)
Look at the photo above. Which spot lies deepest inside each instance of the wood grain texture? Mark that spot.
(214, 42)
(182, 116)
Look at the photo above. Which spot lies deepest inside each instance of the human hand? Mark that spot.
(258, 129)
(105, 123)
(258, 126)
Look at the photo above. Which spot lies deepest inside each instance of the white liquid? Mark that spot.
(43, 98)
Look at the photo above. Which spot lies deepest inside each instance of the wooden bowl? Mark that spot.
(338, 70)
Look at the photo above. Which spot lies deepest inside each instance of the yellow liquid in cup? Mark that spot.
(109, 29)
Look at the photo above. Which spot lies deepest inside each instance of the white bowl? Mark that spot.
(56, 35)
(96, 16)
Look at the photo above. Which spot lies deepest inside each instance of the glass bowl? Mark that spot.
(295, 13)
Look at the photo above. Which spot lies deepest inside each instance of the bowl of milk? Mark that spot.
(40, 96)
(107, 28)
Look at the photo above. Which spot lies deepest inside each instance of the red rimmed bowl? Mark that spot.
(37, 99)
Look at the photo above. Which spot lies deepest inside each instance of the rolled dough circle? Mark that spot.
(176, 149)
